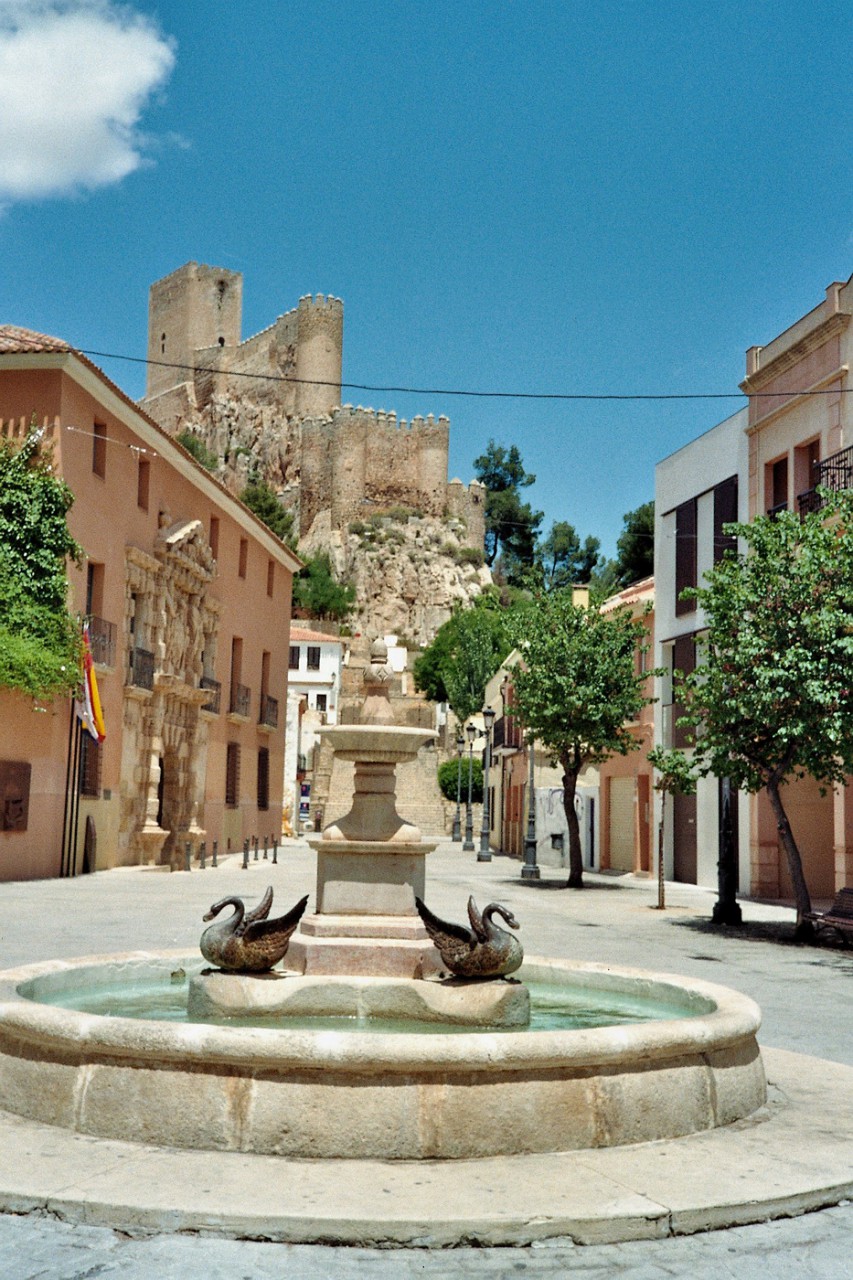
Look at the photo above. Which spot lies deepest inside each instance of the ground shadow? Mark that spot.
(779, 932)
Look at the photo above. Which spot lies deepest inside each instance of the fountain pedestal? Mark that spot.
(370, 866)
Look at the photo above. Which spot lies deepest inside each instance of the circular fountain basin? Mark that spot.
(361, 1094)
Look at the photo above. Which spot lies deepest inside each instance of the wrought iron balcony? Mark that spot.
(215, 701)
(778, 509)
(102, 637)
(241, 700)
(142, 669)
(834, 472)
(269, 711)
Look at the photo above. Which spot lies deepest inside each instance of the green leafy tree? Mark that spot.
(576, 689)
(316, 594)
(563, 560)
(771, 698)
(261, 499)
(635, 553)
(448, 775)
(512, 526)
(199, 450)
(39, 641)
(466, 653)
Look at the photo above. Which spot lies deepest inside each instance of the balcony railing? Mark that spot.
(777, 510)
(142, 669)
(215, 701)
(834, 472)
(269, 711)
(241, 700)
(102, 637)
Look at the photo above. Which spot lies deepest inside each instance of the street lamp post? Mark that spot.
(468, 844)
(530, 868)
(726, 908)
(457, 823)
(485, 854)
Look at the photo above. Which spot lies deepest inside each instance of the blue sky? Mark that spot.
(561, 197)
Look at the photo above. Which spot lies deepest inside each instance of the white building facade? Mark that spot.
(313, 700)
(698, 489)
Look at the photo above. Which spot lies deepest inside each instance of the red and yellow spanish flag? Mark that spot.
(89, 704)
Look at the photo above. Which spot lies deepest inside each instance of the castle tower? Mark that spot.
(195, 307)
(319, 354)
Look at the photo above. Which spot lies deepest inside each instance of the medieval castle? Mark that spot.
(271, 405)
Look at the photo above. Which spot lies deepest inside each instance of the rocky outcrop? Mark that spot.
(409, 572)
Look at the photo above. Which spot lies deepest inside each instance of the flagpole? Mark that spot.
(63, 858)
(75, 800)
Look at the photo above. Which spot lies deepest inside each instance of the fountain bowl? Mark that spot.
(362, 1094)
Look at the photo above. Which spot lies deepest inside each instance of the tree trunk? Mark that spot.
(795, 865)
(570, 782)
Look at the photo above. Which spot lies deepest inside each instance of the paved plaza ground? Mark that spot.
(804, 993)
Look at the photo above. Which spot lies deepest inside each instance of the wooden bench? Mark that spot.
(838, 917)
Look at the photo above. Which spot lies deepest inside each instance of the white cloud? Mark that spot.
(75, 77)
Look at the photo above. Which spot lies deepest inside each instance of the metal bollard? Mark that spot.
(265, 848)
(202, 855)
(245, 853)
(215, 852)
(275, 853)
(188, 856)
(255, 838)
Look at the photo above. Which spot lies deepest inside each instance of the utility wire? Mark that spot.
(457, 391)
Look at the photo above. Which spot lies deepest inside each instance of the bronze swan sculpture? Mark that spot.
(247, 942)
(483, 951)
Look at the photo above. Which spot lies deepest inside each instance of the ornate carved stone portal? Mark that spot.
(172, 626)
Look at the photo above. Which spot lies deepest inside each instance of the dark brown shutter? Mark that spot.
(725, 512)
(685, 554)
(232, 775)
(263, 778)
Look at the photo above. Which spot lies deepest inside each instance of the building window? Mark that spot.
(685, 554)
(312, 657)
(263, 778)
(143, 482)
(244, 557)
(725, 512)
(293, 662)
(99, 450)
(776, 485)
(213, 537)
(270, 577)
(232, 775)
(321, 701)
(94, 589)
(90, 766)
(683, 660)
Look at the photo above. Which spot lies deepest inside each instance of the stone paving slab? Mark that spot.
(795, 1156)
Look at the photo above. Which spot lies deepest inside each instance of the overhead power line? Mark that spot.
(460, 391)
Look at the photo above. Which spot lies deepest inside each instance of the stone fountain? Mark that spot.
(492, 1088)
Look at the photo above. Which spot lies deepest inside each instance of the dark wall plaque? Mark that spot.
(14, 794)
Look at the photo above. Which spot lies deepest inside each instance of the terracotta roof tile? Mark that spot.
(303, 634)
(14, 338)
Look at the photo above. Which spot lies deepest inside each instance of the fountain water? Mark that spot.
(300, 1092)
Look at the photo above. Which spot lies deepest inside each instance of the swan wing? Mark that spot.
(261, 911)
(283, 926)
(453, 941)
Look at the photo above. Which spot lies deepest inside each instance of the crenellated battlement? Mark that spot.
(345, 461)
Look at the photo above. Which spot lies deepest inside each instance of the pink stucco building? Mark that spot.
(189, 599)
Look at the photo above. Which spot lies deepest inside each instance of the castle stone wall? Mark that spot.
(358, 462)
